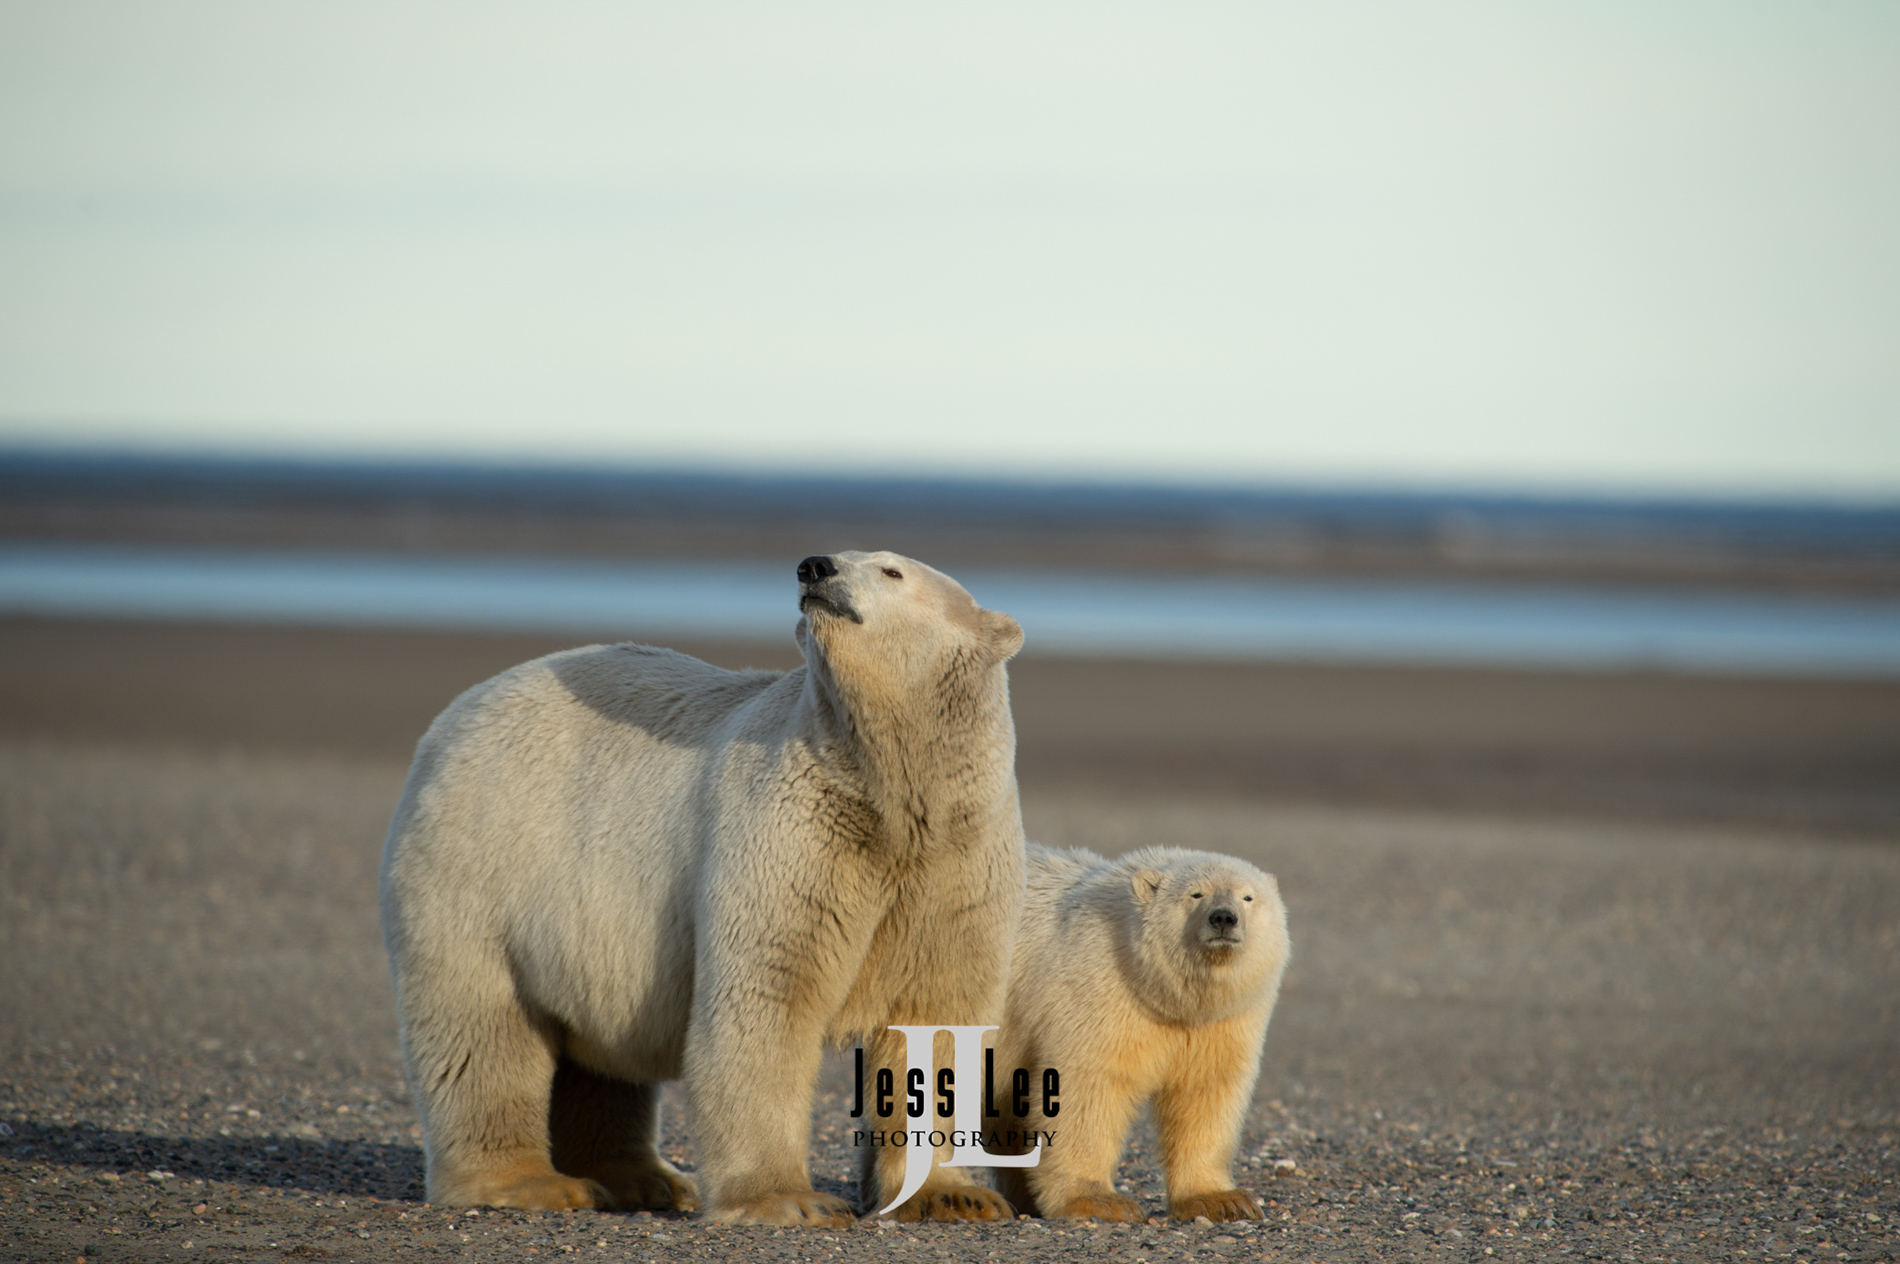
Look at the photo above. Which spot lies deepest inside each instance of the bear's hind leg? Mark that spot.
(1013, 1185)
(608, 1130)
(482, 1077)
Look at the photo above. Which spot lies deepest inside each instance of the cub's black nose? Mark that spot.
(813, 569)
(1223, 919)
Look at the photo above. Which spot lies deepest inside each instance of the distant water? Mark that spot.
(1100, 614)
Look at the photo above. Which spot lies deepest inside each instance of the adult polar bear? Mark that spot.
(618, 865)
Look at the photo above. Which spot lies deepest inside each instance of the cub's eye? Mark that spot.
(1247, 898)
(1197, 895)
(893, 573)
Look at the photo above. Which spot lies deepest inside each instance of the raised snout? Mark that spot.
(819, 596)
(815, 569)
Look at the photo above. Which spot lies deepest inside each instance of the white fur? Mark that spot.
(1115, 982)
(631, 866)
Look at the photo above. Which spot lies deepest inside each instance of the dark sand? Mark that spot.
(1816, 755)
(1599, 966)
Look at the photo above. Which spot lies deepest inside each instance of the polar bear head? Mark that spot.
(889, 632)
(1208, 934)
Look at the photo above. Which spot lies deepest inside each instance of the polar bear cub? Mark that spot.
(1149, 977)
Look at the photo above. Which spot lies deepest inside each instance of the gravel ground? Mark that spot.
(1516, 1038)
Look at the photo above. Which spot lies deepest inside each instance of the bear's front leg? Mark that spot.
(751, 1068)
(948, 1193)
(1075, 1177)
(1198, 1116)
(764, 992)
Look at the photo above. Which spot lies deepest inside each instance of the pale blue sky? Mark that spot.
(1630, 246)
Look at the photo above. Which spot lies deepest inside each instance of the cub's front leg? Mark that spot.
(1198, 1116)
(1075, 1178)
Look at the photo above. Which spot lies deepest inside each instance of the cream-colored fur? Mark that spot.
(616, 866)
(1128, 978)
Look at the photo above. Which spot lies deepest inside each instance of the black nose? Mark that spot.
(813, 569)
(1223, 919)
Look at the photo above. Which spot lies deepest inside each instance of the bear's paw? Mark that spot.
(1225, 1204)
(1103, 1206)
(803, 1208)
(955, 1202)
(539, 1192)
(648, 1187)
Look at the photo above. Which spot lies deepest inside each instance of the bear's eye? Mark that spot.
(893, 572)
(1247, 898)
(1197, 895)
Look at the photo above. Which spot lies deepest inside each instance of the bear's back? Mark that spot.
(589, 746)
(597, 702)
(1069, 916)
(1051, 871)
(671, 696)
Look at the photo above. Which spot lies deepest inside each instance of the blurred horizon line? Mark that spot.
(614, 510)
(19, 458)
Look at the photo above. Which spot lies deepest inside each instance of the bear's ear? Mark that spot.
(1004, 634)
(1147, 884)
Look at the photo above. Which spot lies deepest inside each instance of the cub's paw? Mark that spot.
(551, 1192)
(955, 1202)
(1103, 1206)
(649, 1187)
(1224, 1204)
(805, 1208)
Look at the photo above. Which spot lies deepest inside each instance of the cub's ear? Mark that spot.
(1147, 885)
(802, 632)
(1005, 635)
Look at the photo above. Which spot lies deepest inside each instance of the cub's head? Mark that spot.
(888, 629)
(1211, 933)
